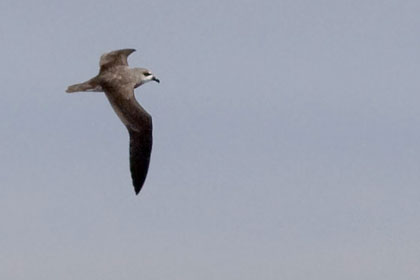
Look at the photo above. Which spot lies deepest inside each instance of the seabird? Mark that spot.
(118, 82)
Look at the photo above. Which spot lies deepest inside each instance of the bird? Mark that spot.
(118, 81)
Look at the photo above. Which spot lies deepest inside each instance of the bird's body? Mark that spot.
(118, 81)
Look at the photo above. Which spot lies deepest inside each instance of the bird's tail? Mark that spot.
(91, 85)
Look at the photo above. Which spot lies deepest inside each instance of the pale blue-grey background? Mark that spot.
(286, 141)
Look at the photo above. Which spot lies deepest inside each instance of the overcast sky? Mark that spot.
(286, 141)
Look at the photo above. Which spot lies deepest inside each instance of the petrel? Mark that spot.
(118, 82)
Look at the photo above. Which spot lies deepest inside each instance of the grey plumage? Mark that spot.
(118, 81)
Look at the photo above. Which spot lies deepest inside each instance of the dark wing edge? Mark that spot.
(140, 150)
(114, 58)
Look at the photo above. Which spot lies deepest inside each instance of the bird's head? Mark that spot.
(144, 76)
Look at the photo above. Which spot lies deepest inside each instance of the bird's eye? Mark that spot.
(146, 74)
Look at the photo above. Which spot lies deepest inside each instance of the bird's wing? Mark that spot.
(114, 58)
(139, 125)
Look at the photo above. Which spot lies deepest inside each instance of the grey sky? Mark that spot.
(286, 141)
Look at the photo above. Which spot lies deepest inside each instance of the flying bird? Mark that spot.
(118, 82)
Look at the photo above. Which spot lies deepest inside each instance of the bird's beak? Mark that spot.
(155, 79)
